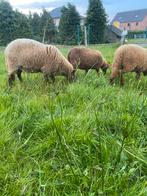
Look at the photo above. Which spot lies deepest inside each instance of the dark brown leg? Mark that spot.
(114, 74)
(19, 71)
(86, 71)
(52, 78)
(11, 79)
(145, 73)
(121, 78)
(97, 70)
(138, 74)
(104, 71)
(46, 77)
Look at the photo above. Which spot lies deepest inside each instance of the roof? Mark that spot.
(56, 13)
(130, 16)
(115, 30)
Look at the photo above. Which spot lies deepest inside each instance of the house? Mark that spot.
(56, 15)
(112, 34)
(135, 20)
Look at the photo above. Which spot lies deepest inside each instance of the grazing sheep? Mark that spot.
(129, 58)
(32, 56)
(84, 58)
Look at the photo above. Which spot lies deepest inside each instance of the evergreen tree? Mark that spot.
(96, 20)
(21, 26)
(6, 22)
(34, 21)
(47, 27)
(70, 19)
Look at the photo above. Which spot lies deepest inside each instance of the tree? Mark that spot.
(69, 22)
(96, 21)
(47, 27)
(6, 22)
(34, 21)
(21, 27)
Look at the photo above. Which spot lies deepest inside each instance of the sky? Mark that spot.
(111, 6)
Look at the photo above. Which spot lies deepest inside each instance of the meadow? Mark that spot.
(85, 138)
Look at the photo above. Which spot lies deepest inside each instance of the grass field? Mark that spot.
(81, 139)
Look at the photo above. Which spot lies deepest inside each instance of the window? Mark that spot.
(136, 23)
(129, 25)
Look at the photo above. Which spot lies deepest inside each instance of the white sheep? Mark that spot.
(33, 56)
(129, 58)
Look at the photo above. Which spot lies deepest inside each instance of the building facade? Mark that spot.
(56, 15)
(135, 20)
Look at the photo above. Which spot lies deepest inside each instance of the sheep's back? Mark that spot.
(129, 56)
(26, 52)
(86, 57)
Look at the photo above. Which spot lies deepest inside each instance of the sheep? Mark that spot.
(32, 56)
(85, 58)
(129, 58)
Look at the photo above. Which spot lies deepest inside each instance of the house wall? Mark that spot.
(134, 26)
(56, 21)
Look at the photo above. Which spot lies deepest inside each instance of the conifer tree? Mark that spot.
(96, 21)
(70, 19)
(34, 21)
(6, 22)
(47, 27)
(21, 26)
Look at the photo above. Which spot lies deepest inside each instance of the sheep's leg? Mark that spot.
(19, 71)
(86, 71)
(138, 74)
(46, 77)
(11, 79)
(45, 70)
(114, 74)
(104, 70)
(145, 72)
(97, 70)
(52, 76)
(121, 78)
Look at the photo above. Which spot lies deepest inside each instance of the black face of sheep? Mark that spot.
(104, 67)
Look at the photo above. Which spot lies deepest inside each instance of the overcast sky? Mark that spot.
(111, 6)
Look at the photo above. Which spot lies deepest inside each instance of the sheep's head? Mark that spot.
(105, 66)
(72, 76)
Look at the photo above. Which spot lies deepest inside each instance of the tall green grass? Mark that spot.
(84, 138)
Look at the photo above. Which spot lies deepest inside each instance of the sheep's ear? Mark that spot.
(47, 49)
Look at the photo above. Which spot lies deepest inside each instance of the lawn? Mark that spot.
(86, 138)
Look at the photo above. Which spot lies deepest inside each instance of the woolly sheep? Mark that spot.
(85, 58)
(33, 56)
(129, 58)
